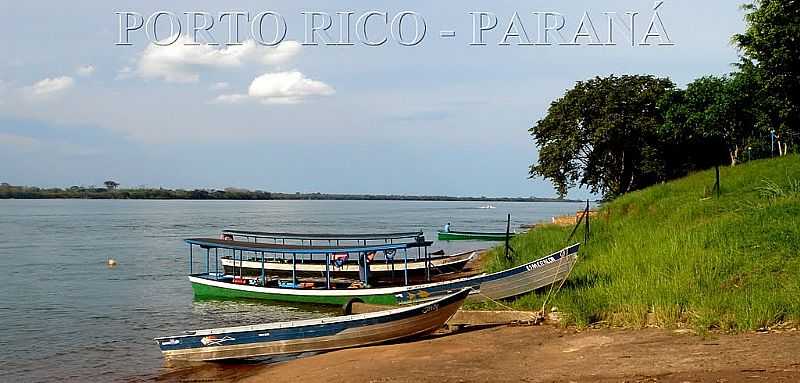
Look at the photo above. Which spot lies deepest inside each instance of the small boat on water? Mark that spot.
(450, 235)
(381, 270)
(500, 285)
(314, 335)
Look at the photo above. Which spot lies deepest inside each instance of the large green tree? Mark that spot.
(771, 44)
(711, 122)
(604, 135)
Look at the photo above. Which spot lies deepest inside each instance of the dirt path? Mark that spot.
(538, 354)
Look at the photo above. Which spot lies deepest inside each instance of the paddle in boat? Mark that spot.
(314, 335)
(215, 284)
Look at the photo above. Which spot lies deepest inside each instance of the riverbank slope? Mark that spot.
(675, 255)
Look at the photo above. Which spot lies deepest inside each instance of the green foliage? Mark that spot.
(711, 122)
(8, 191)
(771, 43)
(618, 134)
(667, 256)
(603, 134)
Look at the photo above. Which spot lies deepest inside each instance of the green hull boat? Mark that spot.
(471, 236)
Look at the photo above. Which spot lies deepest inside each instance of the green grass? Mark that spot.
(669, 256)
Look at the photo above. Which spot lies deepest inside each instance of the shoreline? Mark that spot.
(535, 354)
(8, 191)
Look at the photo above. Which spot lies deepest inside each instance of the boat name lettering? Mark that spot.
(430, 308)
(539, 264)
(214, 341)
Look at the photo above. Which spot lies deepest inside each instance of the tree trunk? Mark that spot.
(734, 154)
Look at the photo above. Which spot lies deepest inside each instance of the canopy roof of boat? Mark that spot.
(376, 236)
(211, 243)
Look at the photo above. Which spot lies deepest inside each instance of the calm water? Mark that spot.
(65, 316)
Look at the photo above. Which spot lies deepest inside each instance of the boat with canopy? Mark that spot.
(314, 335)
(328, 290)
(384, 265)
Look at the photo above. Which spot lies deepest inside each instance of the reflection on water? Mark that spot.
(66, 316)
(247, 312)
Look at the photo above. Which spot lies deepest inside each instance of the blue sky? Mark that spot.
(442, 117)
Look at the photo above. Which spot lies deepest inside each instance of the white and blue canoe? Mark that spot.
(314, 335)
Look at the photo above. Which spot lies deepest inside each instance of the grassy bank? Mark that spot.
(669, 256)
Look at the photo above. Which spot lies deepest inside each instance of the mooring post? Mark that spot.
(294, 269)
(586, 233)
(328, 271)
(405, 263)
(263, 277)
(508, 235)
(427, 265)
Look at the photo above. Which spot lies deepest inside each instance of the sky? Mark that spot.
(444, 116)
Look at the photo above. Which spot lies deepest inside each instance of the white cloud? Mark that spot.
(230, 99)
(180, 62)
(282, 53)
(85, 70)
(50, 86)
(280, 88)
(287, 87)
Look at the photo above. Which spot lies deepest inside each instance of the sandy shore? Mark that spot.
(536, 354)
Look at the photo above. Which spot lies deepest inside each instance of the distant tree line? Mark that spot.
(617, 134)
(8, 191)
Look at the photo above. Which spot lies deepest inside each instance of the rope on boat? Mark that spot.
(551, 293)
(535, 317)
(560, 285)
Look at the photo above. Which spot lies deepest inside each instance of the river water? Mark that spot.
(66, 316)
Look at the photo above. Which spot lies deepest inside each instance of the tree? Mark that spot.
(111, 185)
(711, 122)
(771, 43)
(603, 134)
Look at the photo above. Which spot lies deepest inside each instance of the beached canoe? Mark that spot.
(500, 285)
(380, 270)
(314, 335)
(471, 236)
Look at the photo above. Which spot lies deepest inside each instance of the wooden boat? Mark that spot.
(313, 335)
(380, 270)
(504, 284)
(472, 236)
